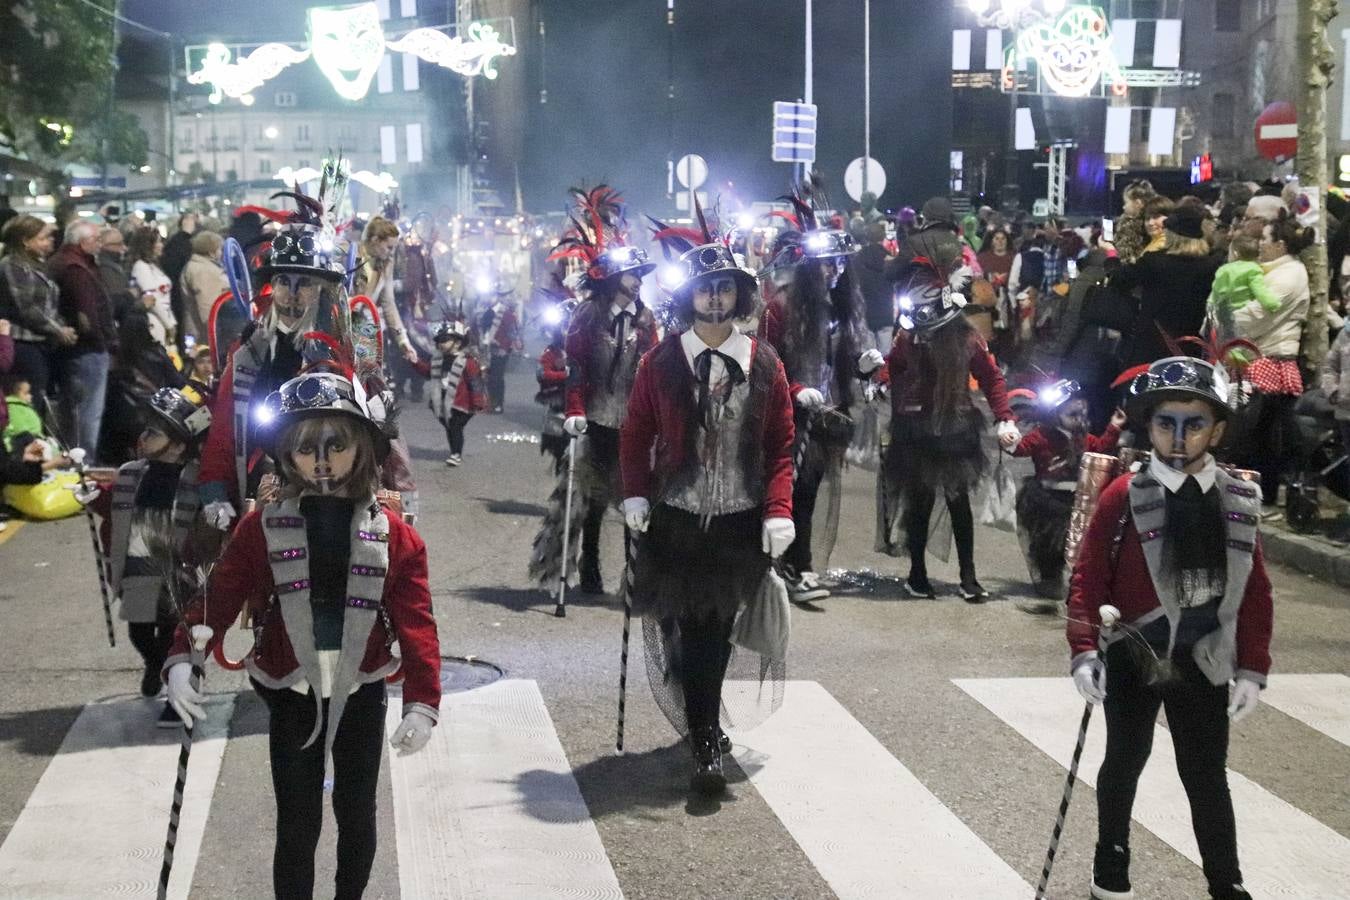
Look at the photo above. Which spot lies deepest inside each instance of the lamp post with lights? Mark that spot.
(1012, 15)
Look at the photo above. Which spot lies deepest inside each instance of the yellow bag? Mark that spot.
(51, 498)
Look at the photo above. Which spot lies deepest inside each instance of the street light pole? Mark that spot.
(808, 93)
(867, 91)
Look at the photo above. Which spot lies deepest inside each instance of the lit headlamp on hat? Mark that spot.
(1180, 378)
(619, 260)
(1052, 397)
(827, 243)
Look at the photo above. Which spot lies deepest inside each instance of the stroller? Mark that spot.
(1322, 462)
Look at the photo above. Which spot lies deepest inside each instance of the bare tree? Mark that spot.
(1311, 165)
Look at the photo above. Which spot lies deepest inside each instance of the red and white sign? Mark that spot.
(1277, 131)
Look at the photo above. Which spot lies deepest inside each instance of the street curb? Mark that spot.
(1319, 558)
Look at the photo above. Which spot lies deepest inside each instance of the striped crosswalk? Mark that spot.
(492, 809)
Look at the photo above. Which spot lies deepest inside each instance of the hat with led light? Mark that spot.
(697, 254)
(806, 238)
(1053, 396)
(177, 415)
(312, 394)
(1179, 378)
(931, 297)
(449, 330)
(598, 238)
(307, 242)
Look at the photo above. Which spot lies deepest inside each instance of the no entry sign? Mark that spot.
(1277, 131)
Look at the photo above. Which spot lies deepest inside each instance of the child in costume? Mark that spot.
(334, 579)
(552, 377)
(1044, 502)
(714, 501)
(151, 527)
(1175, 547)
(457, 385)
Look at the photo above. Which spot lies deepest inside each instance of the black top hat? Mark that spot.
(1180, 378)
(303, 249)
(709, 261)
(316, 394)
(177, 415)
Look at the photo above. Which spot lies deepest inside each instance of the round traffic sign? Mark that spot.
(853, 178)
(1277, 131)
(692, 170)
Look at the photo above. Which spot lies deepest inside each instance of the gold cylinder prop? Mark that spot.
(1095, 472)
(1131, 455)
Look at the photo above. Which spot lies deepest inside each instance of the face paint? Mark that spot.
(293, 295)
(326, 461)
(714, 300)
(630, 285)
(1181, 436)
(154, 444)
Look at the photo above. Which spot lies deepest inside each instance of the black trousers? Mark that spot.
(917, 511)
(1197, 717)
(496, 380)
(797, 557)
(1276, 443)
(454, 430)
(152, 641)
(297, 779)
(705, 650)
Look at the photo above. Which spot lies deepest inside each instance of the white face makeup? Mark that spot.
(293, 295)
(1183, 432)
(715, 299)
(325, 461)
(830, 271)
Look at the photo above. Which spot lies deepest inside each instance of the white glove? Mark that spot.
(219, 514)
(777, 535)
(1090, 679)
(810, 398)
(1245, 697)
(575, 425)
(185, 700)
(412, 733)
(77, 455)
(636, 512)
(86, 492)
(1008, 435)
(870, 361)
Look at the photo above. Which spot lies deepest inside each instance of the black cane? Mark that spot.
(561, 609)
(1109, 615)
(630, 558)
(102, 573)
(180, 782)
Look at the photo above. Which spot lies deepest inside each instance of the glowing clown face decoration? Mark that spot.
(348, 44)
(1074, 53)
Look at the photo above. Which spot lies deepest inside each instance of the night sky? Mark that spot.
(608, 118)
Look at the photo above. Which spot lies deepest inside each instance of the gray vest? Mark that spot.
(606, 406)
(140, 593)
(443, 394)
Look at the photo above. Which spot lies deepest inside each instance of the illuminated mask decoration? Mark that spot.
(1073, 54)
(348, 44)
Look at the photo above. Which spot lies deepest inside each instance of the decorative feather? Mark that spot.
(309, 210)
(1129, 375)
(274, 215)
(341, 360)
(674, 240)
(787, 217)
(702, 221)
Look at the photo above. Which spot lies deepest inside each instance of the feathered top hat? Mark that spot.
(177, 415)
(307, 242)
(931, 297)
(1180, 378)
(699, 253)
(807, 238)
(599, 239)
(448, 330)
(317, 393)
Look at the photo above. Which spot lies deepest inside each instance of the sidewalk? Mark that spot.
(1311, 554)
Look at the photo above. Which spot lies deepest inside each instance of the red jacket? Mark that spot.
(1053, 454)
(1130, 586)
(244, 576)
(552, 371)
(217, 470)
(661, 409)
(580, 348)
(469, 395)
(911, 387)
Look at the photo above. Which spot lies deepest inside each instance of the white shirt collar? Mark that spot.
(738, 347)
(1173, 479)
(615, 309)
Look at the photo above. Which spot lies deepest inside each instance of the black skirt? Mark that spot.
(683, 569)
(948, 462)
(1042, 525)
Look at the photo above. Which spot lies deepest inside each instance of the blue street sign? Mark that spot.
(794, 132)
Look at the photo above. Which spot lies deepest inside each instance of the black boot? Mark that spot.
(917, 584)
(971, 589)
(591, 582)
(1111, 873)
(708, 778)
(1229, 892)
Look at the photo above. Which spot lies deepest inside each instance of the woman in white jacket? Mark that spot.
(149, 282)
(1278, 334)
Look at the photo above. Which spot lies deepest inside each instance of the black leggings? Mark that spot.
(919, 506)
(705, 650)
(454, 430)
(797, 557)
(1197, 717)
(297, 779)
(152, 641)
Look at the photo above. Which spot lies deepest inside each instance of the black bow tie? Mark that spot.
(703, 368)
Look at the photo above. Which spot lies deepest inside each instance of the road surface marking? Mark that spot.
(489, 808)
(867, 824)
(94, 826)
(1284, 851)
(11, 529)
(1321, 702)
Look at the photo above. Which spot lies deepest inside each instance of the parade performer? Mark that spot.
(334, 579)
(552, 375)
(457, 385)
(935, 447)
(150, 523)
(1176, 548)
(499, 330)
(714, 500)
(816, 325)
(608, 334)
(1056, 446)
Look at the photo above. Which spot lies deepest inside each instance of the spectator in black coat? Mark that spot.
(869, 267)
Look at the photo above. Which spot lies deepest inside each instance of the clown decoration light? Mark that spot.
(1073, 54)
(348, 43)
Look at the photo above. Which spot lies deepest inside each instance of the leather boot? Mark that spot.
(708, 778)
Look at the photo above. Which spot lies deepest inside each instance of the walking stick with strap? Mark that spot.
(630, 559)
(1110, 615)
(561, 610)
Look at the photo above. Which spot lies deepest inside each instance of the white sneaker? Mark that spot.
(454, 460)
(807, 587)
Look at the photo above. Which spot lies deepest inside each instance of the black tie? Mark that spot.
(1190, 490)
(703, 368)
(618, 328)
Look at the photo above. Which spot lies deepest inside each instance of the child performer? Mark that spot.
(1175, 548)
(1045, 500)
(457, 385)
(348, 580)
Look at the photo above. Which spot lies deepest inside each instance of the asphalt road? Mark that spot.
(891, 778)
